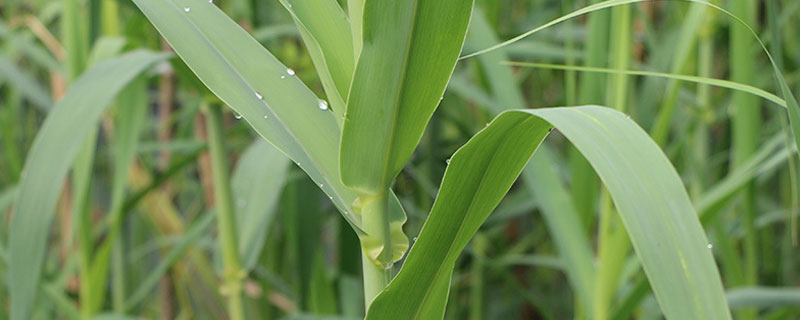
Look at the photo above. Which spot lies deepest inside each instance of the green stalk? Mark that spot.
(585, 182)
(75, 49)
(477, 278)
(687, 39)
(233, 274)
(377, 272)
(613, 244)
(746, 124)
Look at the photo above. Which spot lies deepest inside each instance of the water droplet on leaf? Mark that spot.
(323, 105)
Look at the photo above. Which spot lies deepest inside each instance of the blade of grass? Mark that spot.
(50, 156)
(238, 70)
(257, 182)
(647, 191)
(702, 80)
(327, 35)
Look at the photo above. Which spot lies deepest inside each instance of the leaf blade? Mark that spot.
(615, 147)
(397, 85)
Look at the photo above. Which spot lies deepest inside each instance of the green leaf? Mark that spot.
(50, 156)
(709, 81)
(257, 182)
(410, 48)
(238, 70)
(326, 33)
(560, 214)
(653, 204)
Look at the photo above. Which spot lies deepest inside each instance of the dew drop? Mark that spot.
(259, 96)
(487, 124)
(321, 185)
(415, 239)
(210, 1)
(330, 198)
(237, 116)
(266, 116)
(283, 77)
(628, 116)
(447, 161)
(187, 9)
(323, 105)
(442, 98)
(710, 246)
(290, 71)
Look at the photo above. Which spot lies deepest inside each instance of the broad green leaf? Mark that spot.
(410, 48)
(274, 102)
(257, 182)
(653, 204)
(55, 146)
(543, 183)
(326, 33)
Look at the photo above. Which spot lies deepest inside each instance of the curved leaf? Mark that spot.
(53, 150)
(653, 204)
(252, 82)
(410, 48)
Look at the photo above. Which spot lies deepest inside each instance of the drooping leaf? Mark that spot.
(653, 204)
(48, 161)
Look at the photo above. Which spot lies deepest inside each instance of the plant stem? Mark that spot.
(233, 273)
(378, 269)
(746, 125)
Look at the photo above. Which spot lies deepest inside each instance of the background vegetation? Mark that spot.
(141, 226)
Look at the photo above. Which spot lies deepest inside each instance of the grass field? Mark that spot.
(405, 159)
